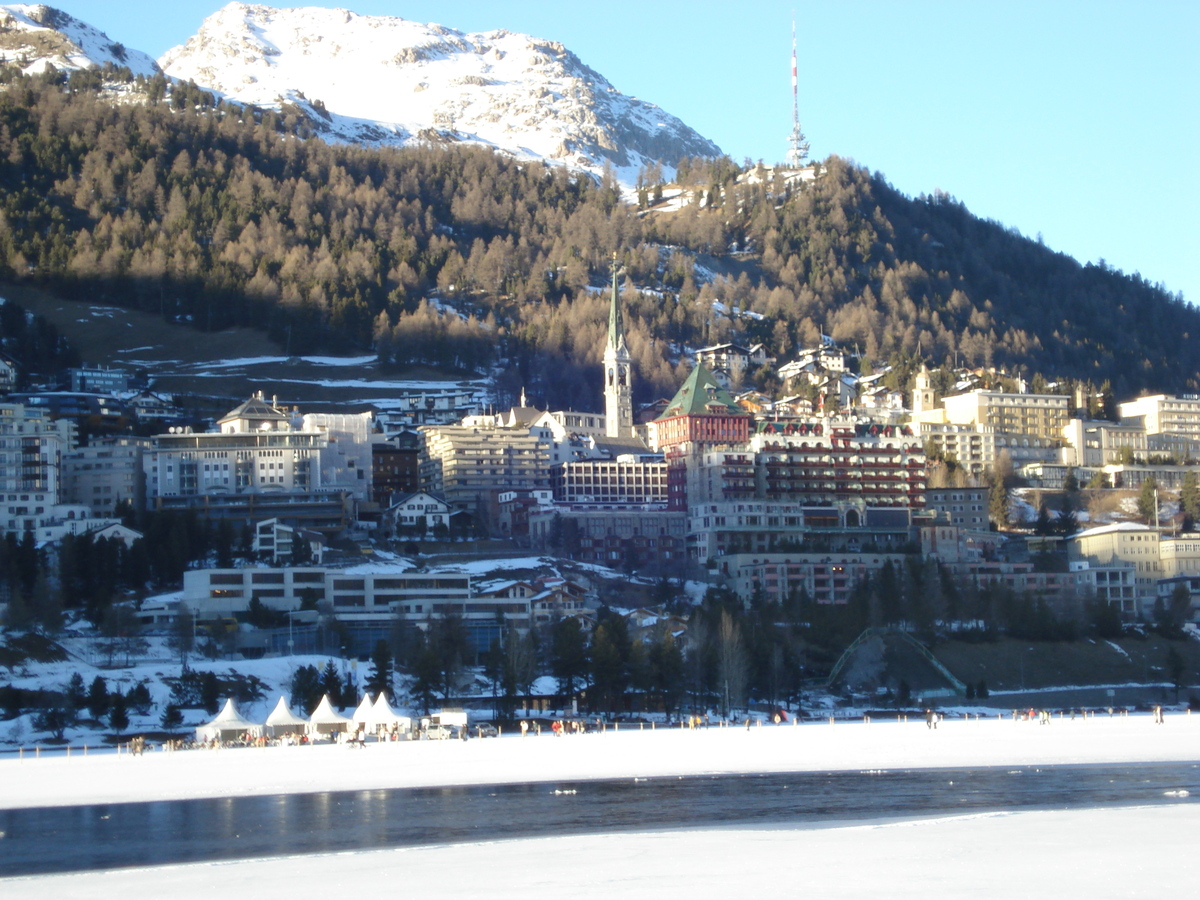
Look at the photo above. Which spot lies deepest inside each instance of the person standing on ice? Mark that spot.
(929, 723)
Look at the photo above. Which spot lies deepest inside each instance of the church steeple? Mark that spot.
(618, 368)
(616, 332)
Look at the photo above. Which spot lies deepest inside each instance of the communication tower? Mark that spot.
(797, 145)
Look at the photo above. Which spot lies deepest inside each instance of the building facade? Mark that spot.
(1164, 414)
(105, 473)
(966, 507)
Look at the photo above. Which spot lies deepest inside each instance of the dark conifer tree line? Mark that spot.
(135, 192)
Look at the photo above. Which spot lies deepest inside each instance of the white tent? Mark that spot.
(325, 720)
(228, 726)
(384, 717)
(283, 721)
(363, 719)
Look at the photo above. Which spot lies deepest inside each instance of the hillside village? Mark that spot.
(803, 456)
(337, 531)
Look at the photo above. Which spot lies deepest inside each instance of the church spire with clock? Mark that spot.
(618, 371)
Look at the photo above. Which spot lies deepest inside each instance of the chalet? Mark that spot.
(419, 512)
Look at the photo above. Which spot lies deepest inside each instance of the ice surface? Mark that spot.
(630, 752)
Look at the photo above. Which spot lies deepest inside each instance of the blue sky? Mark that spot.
(1078, 120)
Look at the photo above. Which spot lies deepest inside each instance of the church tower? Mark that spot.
(923, 397)
(618, 370)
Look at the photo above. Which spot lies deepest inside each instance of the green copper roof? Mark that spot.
(700, 395)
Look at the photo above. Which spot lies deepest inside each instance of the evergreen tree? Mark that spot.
(331, 684)
(1147, 501)
(172, 718)
(76, 694)
(118, 716)
(609, 666)
(1001, 481)
(380, 678)
(427, 672)
(568, 656)
(1189, 501)
(139, 698)
(210, 692)
(667, 668)
(97, 697)
(1106, 620)
(1043, 526)
(306, 689)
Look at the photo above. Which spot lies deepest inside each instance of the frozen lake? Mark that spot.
(991, 808)
(105, 836)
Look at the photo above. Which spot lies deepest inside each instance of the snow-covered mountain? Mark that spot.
(387, 80)
(35, 36)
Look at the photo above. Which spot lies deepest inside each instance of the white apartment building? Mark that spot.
(31, 450)
(978, 447)
(471, 464)
(1092, 444)
(261, 449)
(1036, 415)
(1166, 414)
(1179, 555)
(1128, 544)
(356, 591)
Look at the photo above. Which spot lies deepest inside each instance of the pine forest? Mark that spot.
(126, 191)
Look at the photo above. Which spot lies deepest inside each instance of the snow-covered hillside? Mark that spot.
(391, 81)
(34, 36)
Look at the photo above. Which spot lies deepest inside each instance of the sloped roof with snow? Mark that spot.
(1113, 529)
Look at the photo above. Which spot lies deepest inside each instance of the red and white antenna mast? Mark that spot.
(797, 145)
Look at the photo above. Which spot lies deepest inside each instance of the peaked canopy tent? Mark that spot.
(229, 725)
(325, 720)
(384, 717)
(363, 717)
(283, 721)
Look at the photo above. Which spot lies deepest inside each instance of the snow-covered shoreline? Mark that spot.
(1104, 852)
(846, 746)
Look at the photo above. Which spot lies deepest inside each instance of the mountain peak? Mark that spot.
(387, 80)
(36, 36)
